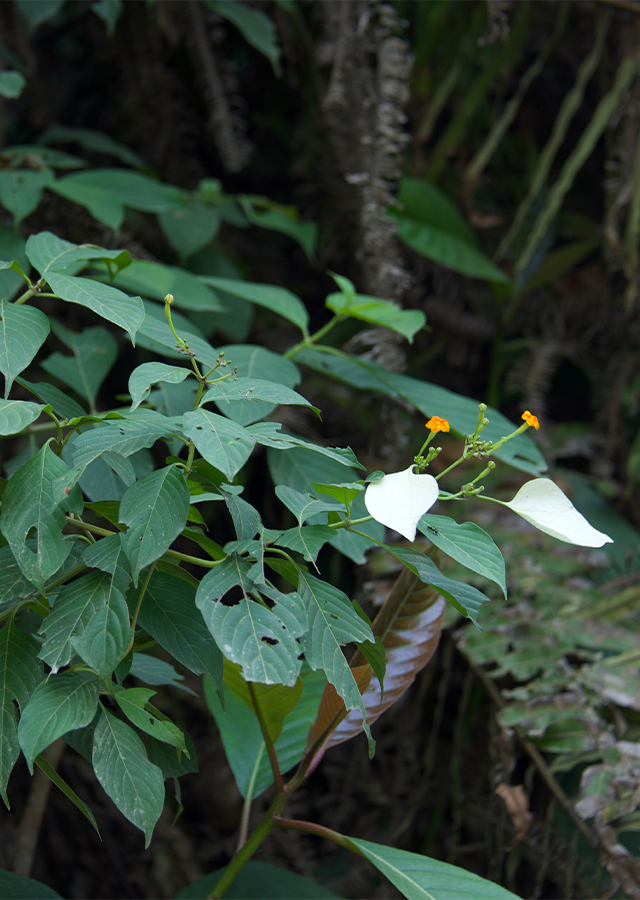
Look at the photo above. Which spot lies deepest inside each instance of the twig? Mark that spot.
(31, 822)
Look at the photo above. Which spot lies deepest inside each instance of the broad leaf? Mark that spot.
(258, 881)
(275, 701)
(155, 280)
(14, 887)
(28, 502)
(95, 141)
(223, 443)
(155, 509)
(256, 27)
(20, 673)
(259, 363)
(379, 312)
(63, 406)
(190, 227)
(77, 605)
(125, 436)
(333, 622)
(15, 415)
(21, 190)
(277, 299)
(304, 506)
(172, 763)
(260, 639)
(13, 583)
(418, 877)
(468, 544)
(242, 738)
(307, 540)
(169, 614)
(134, 703)
(100, 203)
(95, 351)
(252, 390)
(23, 330)
(60, 704)
(104, 300)
(105, 639)
(464, 597)
(49, 253)
(131, 189)
(269, 435)
(108, 555)
(135, 785)
(144, 376)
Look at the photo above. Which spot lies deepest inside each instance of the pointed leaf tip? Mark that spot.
(543, 504)
(400, 500)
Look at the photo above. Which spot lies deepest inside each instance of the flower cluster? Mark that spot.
(399, 500)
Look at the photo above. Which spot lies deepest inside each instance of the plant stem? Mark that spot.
(310, 340)
(347, 523)
(312, 828)
(271, 750)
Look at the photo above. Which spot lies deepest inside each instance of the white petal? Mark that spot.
(542, 503)
(401, 499)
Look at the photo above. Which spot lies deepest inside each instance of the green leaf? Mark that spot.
(257, 362)
(95, 141)
(305, 458)
(256, 27)
(308, 540)
(23, 330)
(252, 390)
(277, 299)
(134, 703)
(156, 671)
(155, 509)
(38, 11)
(11, 84)
(304, 506)
(333, 622)
(17, 887)
(190, 227)
(135, 785)
(133, 432)
(345, 493)
(171, 761)
(11, 248)
(430, 224)
(100, 203)
(62, 405)
(77, 605)
(242, 738)
(284, 220)
(95, 350)
(15, 415)
(62, 785)
(380, 312)
(132, 189)
(261, 640)
(21, 190)
(223, 443)
(259, 881)
(275, 701)
(169, 614)
(144, 376)
(468, 544)
(108, 555)
(109, 11)
(49, 253)
(105, 639)
(13, 583)
(464, 597)
(60, 704)
(105, 301)
(28, 503)
(418, 877)
(155, 280)
(155, 334)
(20, 673)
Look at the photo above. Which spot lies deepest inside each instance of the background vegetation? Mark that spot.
(479, 162)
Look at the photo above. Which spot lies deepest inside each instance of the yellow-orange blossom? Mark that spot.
(436, 424)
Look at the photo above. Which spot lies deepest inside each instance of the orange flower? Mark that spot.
(530, 419)
(435, 424)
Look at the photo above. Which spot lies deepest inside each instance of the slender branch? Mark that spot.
(136, 612)
(312, 339)
(31, 822)
(319, 830)
(271, 750)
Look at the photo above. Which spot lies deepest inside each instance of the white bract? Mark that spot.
(401, 499)
(542, 503)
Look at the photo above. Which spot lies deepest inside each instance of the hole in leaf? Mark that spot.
(270, 641)
(233, 596)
